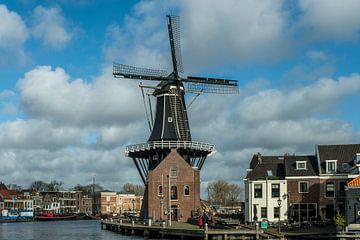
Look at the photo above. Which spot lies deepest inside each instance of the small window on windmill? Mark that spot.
(170, 119)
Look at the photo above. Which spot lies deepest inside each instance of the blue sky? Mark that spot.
(64, 117)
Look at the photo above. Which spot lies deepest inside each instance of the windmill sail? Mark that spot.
(126, 71)
(174, 37)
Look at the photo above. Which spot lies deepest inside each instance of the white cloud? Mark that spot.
(331, 19)
(13, 34)
(70, 165)
(52, 94)
(37, 134)
(51, 27)
(276, 105)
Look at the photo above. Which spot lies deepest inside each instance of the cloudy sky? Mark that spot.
(64, 117)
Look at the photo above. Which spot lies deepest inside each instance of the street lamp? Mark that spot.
(279, 204)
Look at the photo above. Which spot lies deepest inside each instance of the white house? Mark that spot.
(266, 190)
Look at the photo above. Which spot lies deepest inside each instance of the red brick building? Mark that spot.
(183, 195)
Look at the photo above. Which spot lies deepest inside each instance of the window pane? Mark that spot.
(258, 190)
(173, 192)
(275, 190)
(187, 191)
(263, 212)
(303, 187)
(330, 189)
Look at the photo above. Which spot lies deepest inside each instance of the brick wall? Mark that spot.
(186, 176)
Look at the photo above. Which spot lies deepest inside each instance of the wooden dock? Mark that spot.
(179, 231)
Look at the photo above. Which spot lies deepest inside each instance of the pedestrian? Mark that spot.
(200, 221)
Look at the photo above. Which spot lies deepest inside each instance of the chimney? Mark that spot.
(259, 157)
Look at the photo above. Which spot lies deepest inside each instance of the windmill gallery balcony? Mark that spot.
(147, 156)
(154, 145)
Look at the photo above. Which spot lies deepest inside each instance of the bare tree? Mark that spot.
(55, 185)
(138, 190)
(234, 193)
(88, 189)
(14, 186)
(217, 192)
(223, 193)
(39, 186)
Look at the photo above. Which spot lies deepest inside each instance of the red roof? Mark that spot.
(5, 194)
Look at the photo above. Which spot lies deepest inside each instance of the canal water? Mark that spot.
(58, 230)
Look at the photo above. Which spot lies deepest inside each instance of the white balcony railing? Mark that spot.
(169, 144)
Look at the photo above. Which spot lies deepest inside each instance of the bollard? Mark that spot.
(206, 227)
(257, 230)
(132, 223)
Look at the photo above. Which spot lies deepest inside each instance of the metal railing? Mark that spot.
(170, 144)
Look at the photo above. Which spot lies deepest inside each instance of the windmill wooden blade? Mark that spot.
(212, 85)
(174, 37)
(211, 88)
(126, 71)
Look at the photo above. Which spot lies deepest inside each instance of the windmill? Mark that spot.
(170, 129)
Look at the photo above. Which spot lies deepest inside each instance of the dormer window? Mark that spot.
(331, 166)
(301, 165)
(357, 159)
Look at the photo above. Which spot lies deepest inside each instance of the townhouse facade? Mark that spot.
(313, 185)
(55, 202)
(120, 203)
(265, 188)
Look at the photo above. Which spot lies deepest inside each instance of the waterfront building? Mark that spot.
(315, 184)
(67, 201)
(120, 203)
(14, 205)
(128, 203)
(303, 186)
(86, 205)
(108, 203)
(266, 189)
(50, 202)
(352, 198)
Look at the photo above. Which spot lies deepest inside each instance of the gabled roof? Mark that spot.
(270, 167)
(344, 153)
(354, 183)
(6, 194)
(311, 166)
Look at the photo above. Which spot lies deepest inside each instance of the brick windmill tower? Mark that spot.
(169, 163)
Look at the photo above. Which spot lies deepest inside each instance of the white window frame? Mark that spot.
(272, 187)
(328, 162)
(357, 158)
(326, 183)
(261, 187)
(173, 172)
(307, 186)
(298, 163)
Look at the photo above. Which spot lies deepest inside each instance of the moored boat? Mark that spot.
(54, 217)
